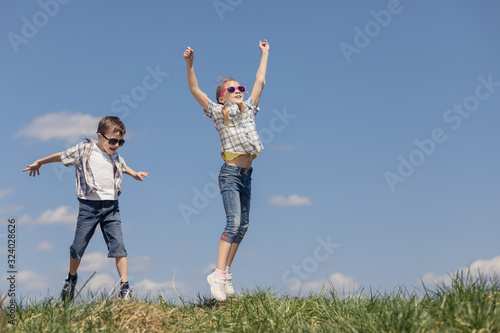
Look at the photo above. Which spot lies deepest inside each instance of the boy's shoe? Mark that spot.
(217, 286)
(228, 286)
(125, 293)
(68, 290)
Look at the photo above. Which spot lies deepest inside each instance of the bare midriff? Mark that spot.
(242, 161)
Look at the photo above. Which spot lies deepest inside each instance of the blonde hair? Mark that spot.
(218, 91)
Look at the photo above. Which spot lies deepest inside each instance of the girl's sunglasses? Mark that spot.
(113, 142)
(231, 90)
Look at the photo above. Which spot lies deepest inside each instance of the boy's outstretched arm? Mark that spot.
(34, 168)
(260, 78)
(200, 96)
(135, 174)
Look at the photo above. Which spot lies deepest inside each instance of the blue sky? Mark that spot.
(378, 119)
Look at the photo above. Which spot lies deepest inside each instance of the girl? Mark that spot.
(234, 119)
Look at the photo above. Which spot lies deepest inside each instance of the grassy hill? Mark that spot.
(466, 305)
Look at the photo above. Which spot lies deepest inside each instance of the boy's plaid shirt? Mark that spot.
(78, 156)
(242, 136)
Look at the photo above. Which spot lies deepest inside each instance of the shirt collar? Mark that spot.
(114, 156)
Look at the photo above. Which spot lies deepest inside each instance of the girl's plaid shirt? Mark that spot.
(78, 156)
(242, 136)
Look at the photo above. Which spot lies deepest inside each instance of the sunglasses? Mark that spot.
(231, 90)
(113, 142)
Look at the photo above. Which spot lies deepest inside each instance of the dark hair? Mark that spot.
(111, 124)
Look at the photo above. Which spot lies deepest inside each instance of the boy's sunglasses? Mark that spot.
(113, 142)
(231, 90)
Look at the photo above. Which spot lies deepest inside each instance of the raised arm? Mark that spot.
(200, 96)
(34, 168)
(260, 78)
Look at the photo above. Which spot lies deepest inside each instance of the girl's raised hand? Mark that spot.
(264, 46)
(189, 54)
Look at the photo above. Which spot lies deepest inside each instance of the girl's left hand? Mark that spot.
(264, 46)
(140, 174)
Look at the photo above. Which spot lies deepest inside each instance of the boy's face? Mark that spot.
(104, 139)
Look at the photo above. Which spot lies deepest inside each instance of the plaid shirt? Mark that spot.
(78, 156)
(242, 136)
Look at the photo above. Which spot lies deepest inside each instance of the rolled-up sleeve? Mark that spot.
(212, 107)
(70, 157)
(250, 104)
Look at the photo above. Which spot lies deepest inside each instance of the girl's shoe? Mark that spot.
(217, 286)
(228, 286)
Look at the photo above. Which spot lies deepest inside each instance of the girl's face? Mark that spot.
(236, 97)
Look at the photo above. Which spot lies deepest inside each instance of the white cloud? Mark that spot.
(96, 261)
(44, 246)
(293, 200)
(99, 261)
(100, 282)
(341, 283)
(486, 268)
(5, 192)
(29, 280)
(148, 286)
(65, 125)
(61, 215)
(64, 215)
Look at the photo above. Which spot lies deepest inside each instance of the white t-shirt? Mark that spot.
(102, 167)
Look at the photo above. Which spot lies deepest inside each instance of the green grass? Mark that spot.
(465, 305)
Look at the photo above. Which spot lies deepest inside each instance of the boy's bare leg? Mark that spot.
(73, 265)
(232, 253)
(121, 266)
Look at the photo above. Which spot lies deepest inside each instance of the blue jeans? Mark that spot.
(235, 186)
(106, 213)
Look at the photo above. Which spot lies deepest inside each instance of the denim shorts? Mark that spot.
(235, 186)
(106, 213)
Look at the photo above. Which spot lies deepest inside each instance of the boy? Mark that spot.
(99, 171)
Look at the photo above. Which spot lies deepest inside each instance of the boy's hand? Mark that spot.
(264, 46)
(189, 54)
(34, 169)
(139, 175)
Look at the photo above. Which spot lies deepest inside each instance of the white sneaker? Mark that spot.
(228, 286)
(217, 287)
